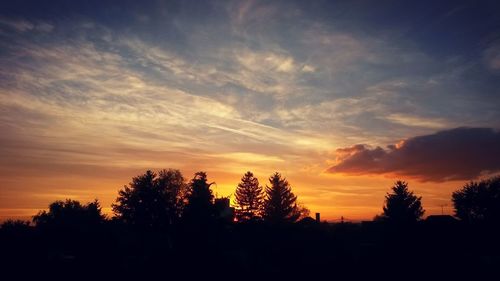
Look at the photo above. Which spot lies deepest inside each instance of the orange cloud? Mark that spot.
(457, 154)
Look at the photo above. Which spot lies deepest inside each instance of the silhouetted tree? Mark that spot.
(17, 242)
(152, 200)
(249, 197)
(303, 211)
(478, 201)
(173, 190)
(11, 225)
(280, 204)
(402, 206)
(70, 215)
(200, 205)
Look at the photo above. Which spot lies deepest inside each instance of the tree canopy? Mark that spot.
(478, 201)
(152, 200)
(200, 199)
(249, 198)
(70, 214)
(280, 204)
(402, 206)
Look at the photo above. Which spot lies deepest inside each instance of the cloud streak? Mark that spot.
(92, 93)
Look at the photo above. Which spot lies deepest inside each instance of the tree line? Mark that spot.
(163, 199)
(477, 202)
(159, 200)
(166, 226)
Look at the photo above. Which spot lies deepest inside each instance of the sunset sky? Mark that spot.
(341, 97)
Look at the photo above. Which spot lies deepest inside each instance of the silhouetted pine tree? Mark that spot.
(280, 204)
(402, 206)
(249, 197)
(200, 206)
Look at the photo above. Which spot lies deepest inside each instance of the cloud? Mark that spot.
(225, 86)
(81, 92)
(44, 27)
(491, 57)
(308, 68)
(21, 25)
(416, 121)
(456, 154)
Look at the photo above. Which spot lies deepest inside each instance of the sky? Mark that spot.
(342, 98)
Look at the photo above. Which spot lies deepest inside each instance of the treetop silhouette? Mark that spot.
(152, 200)
(249, 198)
(70, 214)
(200, 199)
(280, 204)
(478, 201)
(402, 206)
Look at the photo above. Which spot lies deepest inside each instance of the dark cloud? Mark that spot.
(456, 154)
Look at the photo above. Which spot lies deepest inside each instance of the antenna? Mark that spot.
(442, 208)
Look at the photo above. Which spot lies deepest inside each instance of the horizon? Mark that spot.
(444, 209)
(341, 98)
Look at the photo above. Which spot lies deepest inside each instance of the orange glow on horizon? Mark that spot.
(355, 198)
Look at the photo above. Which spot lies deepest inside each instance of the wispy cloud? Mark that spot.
(22, 25)
(492, 57)
(415, 121)
(80, 93)
(225, 86)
